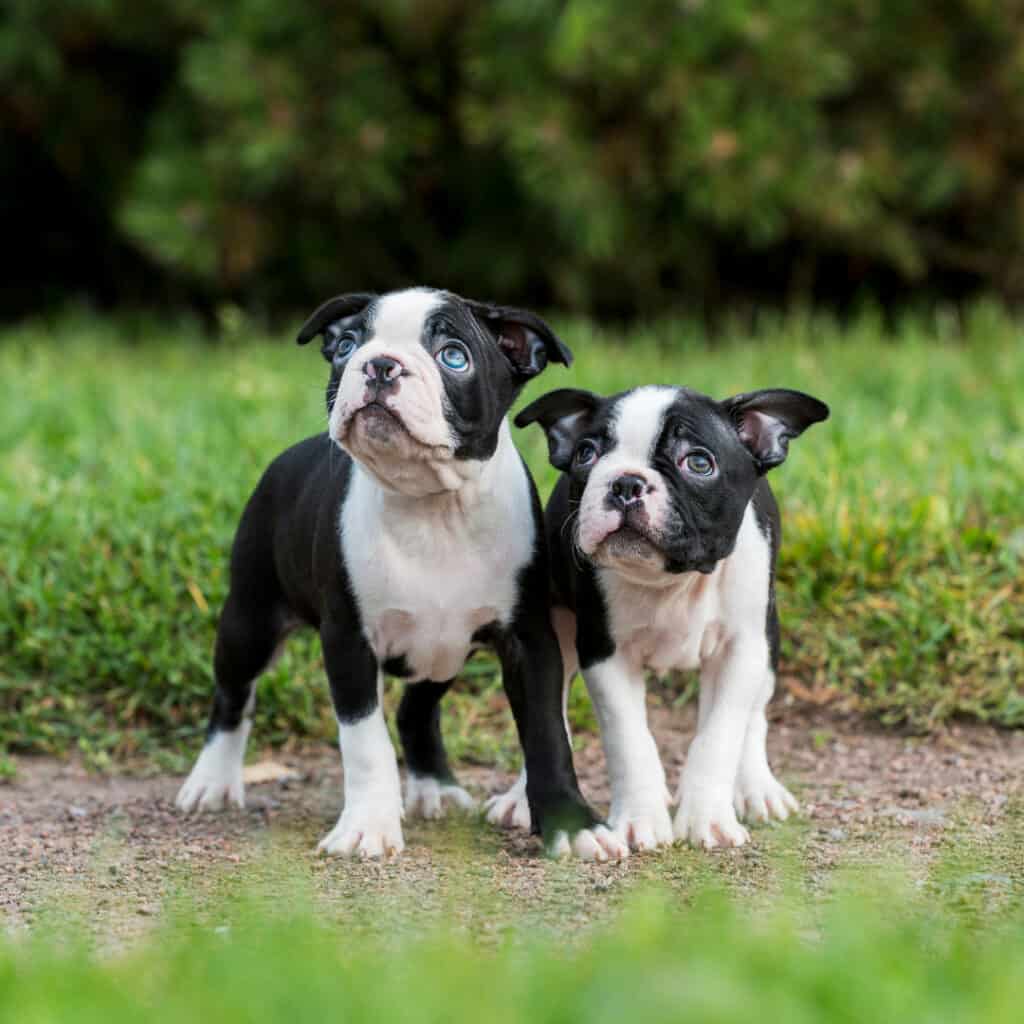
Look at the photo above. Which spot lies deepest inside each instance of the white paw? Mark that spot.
(427, 797)
(762, 797)
(216, 778)
(598, 843)
(643, 827)
(511, 809)
(706, 817)
(365, 832)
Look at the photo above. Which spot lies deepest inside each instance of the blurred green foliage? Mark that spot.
(591, 154)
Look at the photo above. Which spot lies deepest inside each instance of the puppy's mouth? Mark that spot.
(379, 431)
(375, 411)
(630, 542)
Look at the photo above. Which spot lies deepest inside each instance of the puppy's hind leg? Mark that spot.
(247, 636)
(430, 787)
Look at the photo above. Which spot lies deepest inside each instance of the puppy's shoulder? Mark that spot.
(766, 514)
(312, 457)
(745, 577)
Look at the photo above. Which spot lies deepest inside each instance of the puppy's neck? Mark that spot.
(653, 577)
(463, 484)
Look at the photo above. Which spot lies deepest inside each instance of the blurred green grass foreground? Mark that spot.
(857, 960)
(129, 451)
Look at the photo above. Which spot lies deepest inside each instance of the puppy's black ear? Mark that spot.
(341, 307)
(563, 414)
(766, 420)
(528, 342)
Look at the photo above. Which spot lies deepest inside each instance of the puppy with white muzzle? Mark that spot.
(409, 535)
(664, 537)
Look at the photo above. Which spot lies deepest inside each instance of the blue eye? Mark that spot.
(454, 358)
(699, 463)
(586, 453)
(345, 349)
(344, 342)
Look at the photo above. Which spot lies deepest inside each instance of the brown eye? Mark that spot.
(699, 464)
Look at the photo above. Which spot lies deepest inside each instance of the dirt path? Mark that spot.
(113, 851)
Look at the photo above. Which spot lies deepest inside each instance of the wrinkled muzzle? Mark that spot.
(623, 511)
(389, 415)
(405, 383)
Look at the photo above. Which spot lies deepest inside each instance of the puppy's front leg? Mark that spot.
(735, 674)
(759, 796)
(532, 675)
(639, 813)
(371, 820)
(511, 808)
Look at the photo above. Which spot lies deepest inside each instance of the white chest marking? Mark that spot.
(428, 573)
(682, 624)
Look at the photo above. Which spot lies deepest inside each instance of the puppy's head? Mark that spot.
(662, 476)
(421, 380)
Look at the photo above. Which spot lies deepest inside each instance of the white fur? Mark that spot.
(758, 795)
(427, 797)
(432, 545)
(429, 569)
(370, 825)
(419, 460)
(715, 622)
(637, 423)
(598, 843)
(428, 572)
(216, 777)
(510, 809)
(639, 812)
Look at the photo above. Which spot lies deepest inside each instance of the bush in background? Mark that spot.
(595, 155)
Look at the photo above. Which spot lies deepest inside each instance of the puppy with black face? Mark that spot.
(664, 536)
(409, 535)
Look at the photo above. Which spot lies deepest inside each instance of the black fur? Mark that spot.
(743, 437)
(507, 347)
(287, 565)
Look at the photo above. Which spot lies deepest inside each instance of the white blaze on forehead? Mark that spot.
(398, 317)
(419, 462)
(639, 417)
(637, 422)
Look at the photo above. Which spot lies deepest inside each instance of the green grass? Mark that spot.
(129, 451)
(871, 954)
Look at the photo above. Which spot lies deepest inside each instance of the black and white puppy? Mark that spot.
(409, 535)
(664, 536)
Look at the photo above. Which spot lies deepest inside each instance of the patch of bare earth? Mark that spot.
(112, 851)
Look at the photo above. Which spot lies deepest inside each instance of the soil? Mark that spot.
(111, 850)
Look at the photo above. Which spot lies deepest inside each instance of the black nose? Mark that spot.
(628, 490)
(382, 370)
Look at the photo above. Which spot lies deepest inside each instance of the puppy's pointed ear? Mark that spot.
(527, 341)
(341, 307)
(766, 420)
(564, 415)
